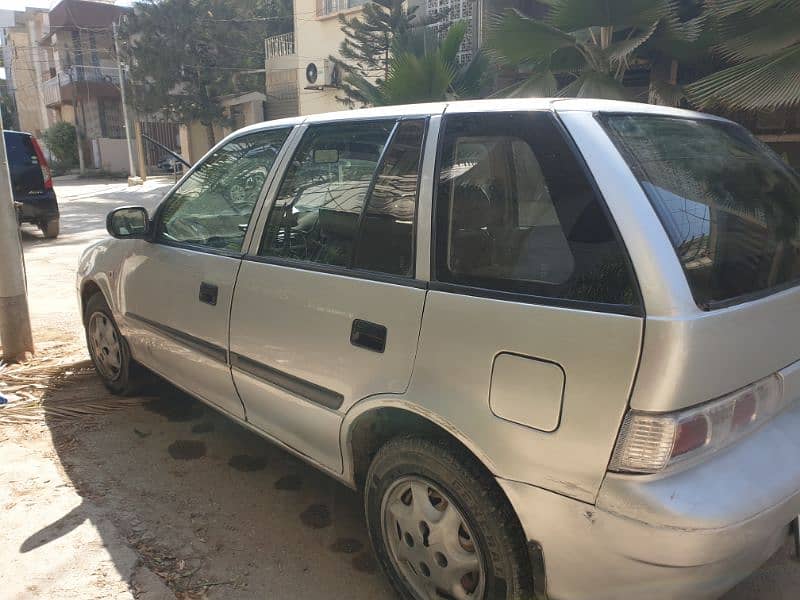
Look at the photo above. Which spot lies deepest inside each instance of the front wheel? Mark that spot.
(441, 527)
(108, 349)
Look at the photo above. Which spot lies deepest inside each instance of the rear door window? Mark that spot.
(730, 206)
(515, 212)
(20, 150)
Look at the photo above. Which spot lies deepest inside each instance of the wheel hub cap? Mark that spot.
(430, 543)
(105, 346)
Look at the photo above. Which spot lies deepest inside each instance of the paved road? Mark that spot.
(199, 499)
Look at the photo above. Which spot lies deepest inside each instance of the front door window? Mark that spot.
(212, 207)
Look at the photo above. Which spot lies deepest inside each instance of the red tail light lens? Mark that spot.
(48, 180)
(691, 435)
(650, 442)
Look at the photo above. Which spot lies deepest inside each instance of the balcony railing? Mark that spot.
(77, 74)
(280, 45)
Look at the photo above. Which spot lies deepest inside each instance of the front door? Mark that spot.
(327, 310)
(177, 289)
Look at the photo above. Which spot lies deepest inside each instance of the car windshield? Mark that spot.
(730, 205)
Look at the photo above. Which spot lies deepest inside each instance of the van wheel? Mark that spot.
(108, 349)
(50, 229)
(440, 526)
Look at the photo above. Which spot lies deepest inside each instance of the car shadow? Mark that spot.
(208, 506)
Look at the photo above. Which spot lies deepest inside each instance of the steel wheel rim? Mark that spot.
(105, 346)
(430, 542)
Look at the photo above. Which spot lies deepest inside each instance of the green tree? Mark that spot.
(585, 49)
(9, 111)
(365, 52)
(420, 69)
(62, 141)
(186, 54)
(758, 42)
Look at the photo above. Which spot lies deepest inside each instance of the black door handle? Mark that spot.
(366, 334)
(208, 293)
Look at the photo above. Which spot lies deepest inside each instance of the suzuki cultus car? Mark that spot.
(555, 343)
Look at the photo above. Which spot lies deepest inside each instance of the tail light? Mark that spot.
(48, 180)
(650, 442)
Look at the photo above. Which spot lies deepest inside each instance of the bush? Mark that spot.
(62, 141)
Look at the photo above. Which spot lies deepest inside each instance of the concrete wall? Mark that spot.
(112, 155)
(194, 141)
(29, 105)
(316, 38)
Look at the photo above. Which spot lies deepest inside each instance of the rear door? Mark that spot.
(176, 290)
(532, 324)
(327, 310)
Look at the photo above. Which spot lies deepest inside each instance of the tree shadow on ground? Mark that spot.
(208, 506)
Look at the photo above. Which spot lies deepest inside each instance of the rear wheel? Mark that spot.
(109, 350)
(50, 229)
(441, 527)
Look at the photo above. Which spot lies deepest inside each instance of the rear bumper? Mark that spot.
(694, 533)
(35, 208)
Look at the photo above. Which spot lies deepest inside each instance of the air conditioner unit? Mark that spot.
(322, 73)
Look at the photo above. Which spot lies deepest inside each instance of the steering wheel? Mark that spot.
(241, 193)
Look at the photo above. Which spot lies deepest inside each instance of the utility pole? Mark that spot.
(78, 134)
(132, 179)
(137, 126)
(15, 321)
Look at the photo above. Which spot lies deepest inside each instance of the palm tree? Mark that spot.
(585, 48)
(424, 70)
(760, 40)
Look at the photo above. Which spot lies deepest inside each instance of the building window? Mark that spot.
(452, 11)
(329, 7)
(110, 119)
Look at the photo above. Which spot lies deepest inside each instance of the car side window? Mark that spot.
(212, 207)
(515, 212)
(322, 213)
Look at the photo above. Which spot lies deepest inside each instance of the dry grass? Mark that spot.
(58, 365)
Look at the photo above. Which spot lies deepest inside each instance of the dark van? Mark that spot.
(34, 197)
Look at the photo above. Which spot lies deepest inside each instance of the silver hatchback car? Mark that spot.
(555, 342)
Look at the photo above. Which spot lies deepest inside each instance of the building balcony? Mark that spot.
(279, 45)
(83, 82)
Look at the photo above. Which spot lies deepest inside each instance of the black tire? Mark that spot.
(130, 376)
(50, 229)
(487, 512)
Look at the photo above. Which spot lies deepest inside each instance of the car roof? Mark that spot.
(558, 105)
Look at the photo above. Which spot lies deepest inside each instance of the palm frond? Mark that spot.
(541, 84)
(744, 38)
(725, 8)
(592, 84)
(624, 48)
(572, 15)
(665, 93)
(448, 49)
(513, 38)
(470, 80)
(761, 83)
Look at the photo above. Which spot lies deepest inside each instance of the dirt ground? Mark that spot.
(160, 497)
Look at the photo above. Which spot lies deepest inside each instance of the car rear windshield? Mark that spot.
(19, 147)
(730, 205)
